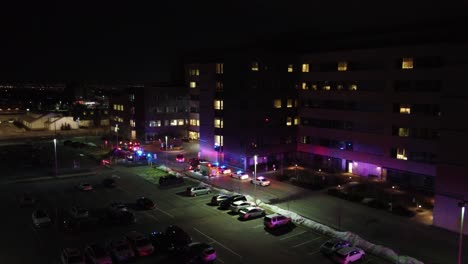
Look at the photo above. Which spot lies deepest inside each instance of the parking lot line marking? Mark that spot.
(293, 235)
(159, 209)
(151, 216)
(313, 253)
(307, 242)
(228, 249)
(257, 226)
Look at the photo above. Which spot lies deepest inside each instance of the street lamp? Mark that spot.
(117, 134)
(55, 154)
(255, 178)
(166, 142)
(295, 171)
(462, 205)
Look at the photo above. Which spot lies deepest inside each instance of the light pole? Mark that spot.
(117, 134)
(295, 172)
(255, 178)
(166, 142)
(55, 154)
(462, 205)
(391, 198)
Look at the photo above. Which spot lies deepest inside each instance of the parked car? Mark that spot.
(176, 238)
(348, 255)
(276, 220)
(145, 203)
(216, 199)
(200, 253)
(120, 250)
(180, 158)
(170, 180)
(40, 218)
(240, 175)
(117, 206)
(77, 225)
(79, 212)
(84, 186)
(194, 191)
(251, 212)
(332, 245)
(139, 243)
(120, 217)
(262, 181)
(97, 254)
(72, 256)
(227, 202)
(237, 205)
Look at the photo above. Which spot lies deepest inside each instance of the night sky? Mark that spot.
(112, 41)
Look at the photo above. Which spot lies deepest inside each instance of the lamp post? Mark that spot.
(462, 205)
(255, 178)
(166, 142)
(391, 197)
(295, 171)
(55, 154)
(117, 134)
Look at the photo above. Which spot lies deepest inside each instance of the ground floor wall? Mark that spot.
(448, 214)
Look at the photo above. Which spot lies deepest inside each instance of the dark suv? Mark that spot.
(170, 180)
(225, 204)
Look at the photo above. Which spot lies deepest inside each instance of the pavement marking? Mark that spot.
(307, 242)
(257, 226)
(228, 249)
(222, 261)
(159, 209)
(293, 235)
(151, 216)
(313, 253)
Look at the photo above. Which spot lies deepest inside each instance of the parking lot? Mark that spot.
(235, 241)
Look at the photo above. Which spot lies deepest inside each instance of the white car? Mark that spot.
(237, 205)
(240, 175)
(251, 212)
(260, 181)
(85, 186)
(41, 218)
(79, 212)
(348, 255)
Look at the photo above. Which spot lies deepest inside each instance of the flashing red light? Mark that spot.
(267, 120)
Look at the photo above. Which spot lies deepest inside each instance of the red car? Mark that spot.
(180, 158)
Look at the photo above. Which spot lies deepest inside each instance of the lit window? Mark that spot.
(194, 122)
(296, 121)
(289, 103)
(218, 104)
(180, 122)
(152, 123)
(305, 86)
(407, 63)
(289, 121)
(132, 123)
(194, 72)
(290, 68)
(403, 131)
(218, 123)
(405, 109)
(219, 68)
(305, 67)
(353, 87)
(277, 103)
(115, 107)
(218, 140)
(401, 154)
(158, 123)
(326, 87)
(173, 122)
(254, 66)
(339, 87)
(314, 87)
(84, 113)
(193, 84)
(342, 66)
(91, 113)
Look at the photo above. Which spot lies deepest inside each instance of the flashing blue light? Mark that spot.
(349, 144)
(139, 152)
(215, 163)
(239, 172)
(148, 155)
(341, 148)
(223, 166)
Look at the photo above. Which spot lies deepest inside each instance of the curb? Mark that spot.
(45, 178)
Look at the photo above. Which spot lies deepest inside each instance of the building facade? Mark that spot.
(393, 114)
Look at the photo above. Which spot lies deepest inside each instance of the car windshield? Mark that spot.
(209, 251)
(142, 242)
(341, 255)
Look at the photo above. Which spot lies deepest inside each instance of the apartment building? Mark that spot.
(246, 106)
(392, 114)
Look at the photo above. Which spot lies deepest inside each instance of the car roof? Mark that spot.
(252, 207)
(346, 250)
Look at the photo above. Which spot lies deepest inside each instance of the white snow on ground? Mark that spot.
(354, 239)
